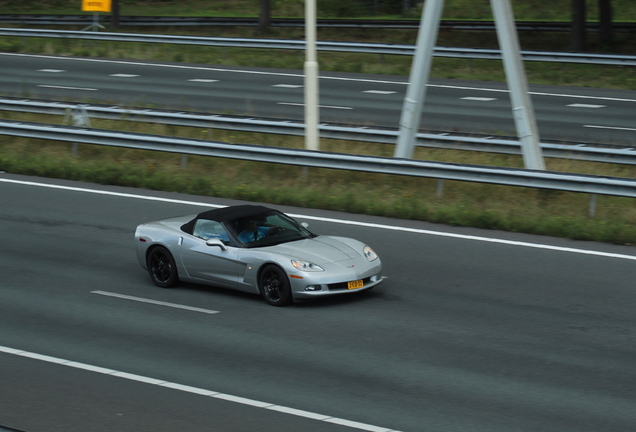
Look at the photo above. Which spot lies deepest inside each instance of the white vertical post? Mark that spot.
(522, 108)
(420, 71)
(440, 188)
(592, 206)
(311, 78)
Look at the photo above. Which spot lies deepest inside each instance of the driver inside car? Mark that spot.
(253, 232)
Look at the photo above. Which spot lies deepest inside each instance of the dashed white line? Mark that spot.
(52, 70)
(123, 75)
(195, 390)
(479, 99)
(320, 106)
(202, 80)
(340, 221)
(302, 76)
(288, 85)
(610, 127)
(575, 105)
(156, 302)
(382, 92)
(586, 106)
(67, 88)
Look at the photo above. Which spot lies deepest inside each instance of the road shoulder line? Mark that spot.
(194, 390)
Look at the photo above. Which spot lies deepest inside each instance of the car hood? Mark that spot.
(320, 250)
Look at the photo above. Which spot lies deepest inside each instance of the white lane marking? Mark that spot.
(586, 106)
(340, 221)
(480, 99)
(287, 85)
(188, 389)
(144, 300)
(240, 400)
(300, 413)
(319, 106)
(603, 98)
(302, 76)
(532, 93)
(356, 425)
(610, 127)
(203, 80)
(123, 75)
(382, 92)
(195, 390)
(67, 88)
(52, 70)
(135, 377)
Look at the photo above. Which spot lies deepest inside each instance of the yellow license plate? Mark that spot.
(355, 284)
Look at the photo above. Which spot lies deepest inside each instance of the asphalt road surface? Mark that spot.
(472, 331)
(564, 113)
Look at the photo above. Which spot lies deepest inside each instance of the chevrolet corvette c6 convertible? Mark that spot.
(255, 249)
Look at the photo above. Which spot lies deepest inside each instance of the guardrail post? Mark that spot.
(80, 118)
(592, 207)
(440, 188)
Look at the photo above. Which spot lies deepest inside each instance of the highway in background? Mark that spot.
(563, 113)
(473, 330)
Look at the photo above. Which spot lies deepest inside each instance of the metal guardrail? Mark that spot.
(358, 47)
(412, 24)
(404, 167)
(570, 150)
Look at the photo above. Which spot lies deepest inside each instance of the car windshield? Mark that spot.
(268, 230)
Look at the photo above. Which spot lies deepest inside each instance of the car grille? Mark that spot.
(344, 286)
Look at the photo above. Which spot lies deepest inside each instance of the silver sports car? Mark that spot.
(255, 249)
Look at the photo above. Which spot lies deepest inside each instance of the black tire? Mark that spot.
(162, 268)
(274, 286)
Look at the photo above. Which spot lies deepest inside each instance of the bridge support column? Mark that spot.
(522, 109)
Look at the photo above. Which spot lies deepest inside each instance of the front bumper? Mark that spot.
(335, 279)
(325, 291)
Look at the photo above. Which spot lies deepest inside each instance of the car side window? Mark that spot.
(209, 229)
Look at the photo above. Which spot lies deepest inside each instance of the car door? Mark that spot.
(210, 263)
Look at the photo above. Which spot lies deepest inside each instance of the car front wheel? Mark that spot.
(274, 286)
(162, 268)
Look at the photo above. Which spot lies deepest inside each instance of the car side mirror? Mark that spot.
(216, 242)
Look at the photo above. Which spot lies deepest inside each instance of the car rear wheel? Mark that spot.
(162, 268)
(274, 286)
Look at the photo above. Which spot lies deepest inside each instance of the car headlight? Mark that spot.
(306, 266)
(369, 253)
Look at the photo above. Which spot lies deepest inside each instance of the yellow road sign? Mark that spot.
(96, 5)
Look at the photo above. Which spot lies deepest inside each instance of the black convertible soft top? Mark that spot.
(235, 212)
(229, 213)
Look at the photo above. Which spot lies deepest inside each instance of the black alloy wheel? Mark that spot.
(274, 286)
(162, 268)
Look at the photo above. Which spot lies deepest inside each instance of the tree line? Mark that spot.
(578, 19)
